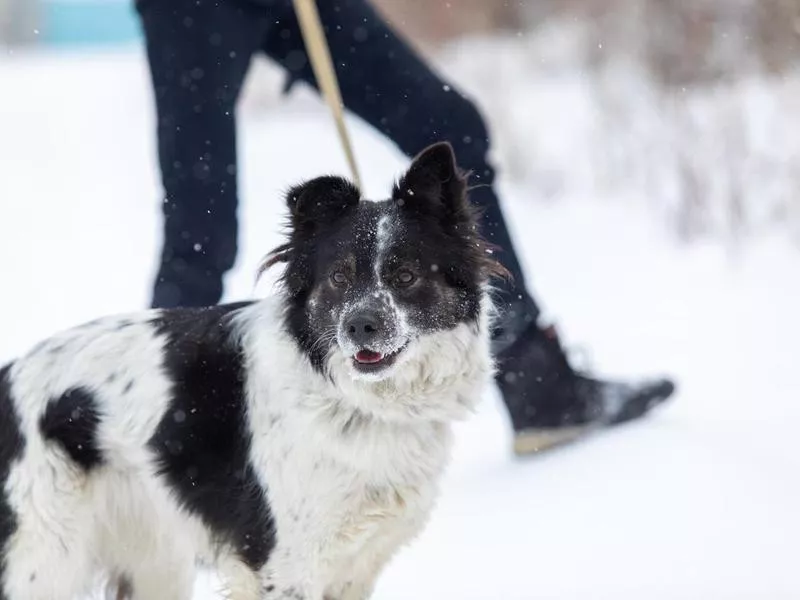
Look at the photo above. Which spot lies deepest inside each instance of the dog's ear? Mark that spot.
(320, 200)
(434, 183)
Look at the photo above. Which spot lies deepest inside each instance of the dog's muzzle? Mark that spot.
(371, 340)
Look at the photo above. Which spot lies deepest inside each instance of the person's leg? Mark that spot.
(388, 85)
(198, 52)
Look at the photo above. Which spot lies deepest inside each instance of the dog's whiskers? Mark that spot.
(325, 338)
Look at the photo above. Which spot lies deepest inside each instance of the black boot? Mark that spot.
(551, 404)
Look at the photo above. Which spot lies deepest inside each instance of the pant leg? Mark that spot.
(198, 52)
(387, 84)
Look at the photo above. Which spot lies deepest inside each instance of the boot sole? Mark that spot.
(536, 441)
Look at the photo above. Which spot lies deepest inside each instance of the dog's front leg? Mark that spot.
(288, 576)
(358, 581)
(358, 590)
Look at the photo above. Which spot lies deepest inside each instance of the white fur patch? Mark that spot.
(383, 239)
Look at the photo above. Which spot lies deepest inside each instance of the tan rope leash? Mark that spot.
(320, 57)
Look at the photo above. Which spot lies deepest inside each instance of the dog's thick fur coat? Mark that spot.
(295, 443)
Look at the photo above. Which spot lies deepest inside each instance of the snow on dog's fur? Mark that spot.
(294, 443)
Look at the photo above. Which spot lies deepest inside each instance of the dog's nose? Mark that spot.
(364, 328)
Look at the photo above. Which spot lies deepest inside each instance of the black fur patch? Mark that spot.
(71, 420)
(203, 441)
(11, 446)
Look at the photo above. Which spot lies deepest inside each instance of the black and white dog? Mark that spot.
(295, 443)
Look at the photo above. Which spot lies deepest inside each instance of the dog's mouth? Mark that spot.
(369, 361)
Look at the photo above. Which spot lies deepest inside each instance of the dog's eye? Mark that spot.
(339, 278)
(404, 278)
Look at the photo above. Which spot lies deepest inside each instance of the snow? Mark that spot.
(698, 502)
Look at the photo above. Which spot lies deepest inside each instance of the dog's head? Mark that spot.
(369, 282)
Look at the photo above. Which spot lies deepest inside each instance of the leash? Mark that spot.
(320, 57)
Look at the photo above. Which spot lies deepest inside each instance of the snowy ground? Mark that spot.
(698, 502)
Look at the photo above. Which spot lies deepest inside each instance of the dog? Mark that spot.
(293, 443)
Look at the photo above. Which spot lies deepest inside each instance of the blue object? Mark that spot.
(89, 22)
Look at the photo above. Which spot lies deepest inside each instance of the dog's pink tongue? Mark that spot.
(368, 357)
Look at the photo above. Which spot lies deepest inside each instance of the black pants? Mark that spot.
(199, 52)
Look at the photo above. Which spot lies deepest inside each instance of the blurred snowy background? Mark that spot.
(689, 106)
(649, 157)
